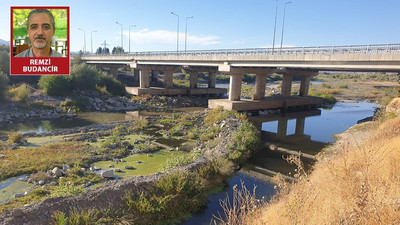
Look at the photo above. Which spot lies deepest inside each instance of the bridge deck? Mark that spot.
(267, 103)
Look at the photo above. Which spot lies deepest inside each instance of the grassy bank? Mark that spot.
(357, 184)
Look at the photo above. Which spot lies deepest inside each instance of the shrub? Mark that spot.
(328, 98)
(23, 93)
(14, 137)
(249, 78)
(75, 105)
(3, 86)
(40, 104)
(216, 115)
(176, 161)
(55, 85)
(66, 189)
(246, 138)
(113, 86)
(84, 77)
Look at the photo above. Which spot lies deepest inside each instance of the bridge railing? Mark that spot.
(350, 49)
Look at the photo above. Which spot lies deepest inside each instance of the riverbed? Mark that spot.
(305, 131)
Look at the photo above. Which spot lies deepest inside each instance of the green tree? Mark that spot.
(117, 50)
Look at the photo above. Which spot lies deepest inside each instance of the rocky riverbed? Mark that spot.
(111, 193)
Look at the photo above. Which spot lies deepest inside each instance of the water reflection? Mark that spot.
(308, 132)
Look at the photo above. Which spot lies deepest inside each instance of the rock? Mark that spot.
(150, 155)
(70, 112)
(19, 195)
(14, 146)
(117, 170)
(111, 166)
(66, 167)
(107, 174)
(41, 182)
(96, 168)
(129, 167)
(18, 213)
(2, 156)
(139, 162)
(57, 172)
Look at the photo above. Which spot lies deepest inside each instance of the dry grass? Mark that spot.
(360, 185)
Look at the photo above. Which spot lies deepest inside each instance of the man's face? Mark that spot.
(40, 30)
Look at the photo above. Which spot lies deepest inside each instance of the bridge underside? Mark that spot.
(295, 102)
(175, 91)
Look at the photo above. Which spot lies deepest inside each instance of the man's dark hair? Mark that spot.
(42, 11)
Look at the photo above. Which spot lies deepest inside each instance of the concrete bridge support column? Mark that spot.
(212, 79)
(235, 87)
(136, 74)
(300, 122)
(282, 128)
(168, 78)
(286, 85)
(194, 78)
(261, 80)
(304, 85)
(145, 78)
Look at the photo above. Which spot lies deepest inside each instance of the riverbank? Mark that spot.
(354, 182)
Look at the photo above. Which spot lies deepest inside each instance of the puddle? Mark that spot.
(12, 186)
(172, 142)
(142, 164)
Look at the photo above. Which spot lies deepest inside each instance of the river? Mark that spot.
(308, 132)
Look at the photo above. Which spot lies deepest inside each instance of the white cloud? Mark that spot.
(147, 36)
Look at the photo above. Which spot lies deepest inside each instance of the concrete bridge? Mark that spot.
(298, 61)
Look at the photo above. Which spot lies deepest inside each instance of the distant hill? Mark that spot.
(3, 42)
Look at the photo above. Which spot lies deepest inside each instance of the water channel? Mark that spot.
(308, 132)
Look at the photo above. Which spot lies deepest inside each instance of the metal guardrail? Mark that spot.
(351, 49)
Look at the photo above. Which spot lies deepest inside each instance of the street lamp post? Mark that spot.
(122, 40)
(283, 23)
(276, 15)
(177, 33)
(190, 17)
(91, 41)
(84, 39)
(130, 37)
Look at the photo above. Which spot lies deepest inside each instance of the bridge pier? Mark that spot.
(212, 79)
(193, 78)
(168, 78)
(261, 80)
(136, 74)
(144, 78)
(286, 88)
(235, 87)
(304, 85)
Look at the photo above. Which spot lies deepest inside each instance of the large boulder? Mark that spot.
(107, 174)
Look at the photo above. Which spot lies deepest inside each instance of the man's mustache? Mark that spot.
(40, 37)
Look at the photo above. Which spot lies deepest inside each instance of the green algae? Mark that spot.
(142, 163)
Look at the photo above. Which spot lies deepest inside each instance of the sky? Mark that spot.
(222, 24)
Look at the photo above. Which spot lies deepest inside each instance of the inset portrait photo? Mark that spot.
(40, 40)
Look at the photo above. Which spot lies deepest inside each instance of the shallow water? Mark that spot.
(319, 128)
(12, 186)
